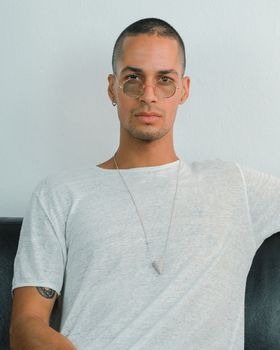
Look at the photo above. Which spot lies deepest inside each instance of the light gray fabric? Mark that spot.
(85, 224)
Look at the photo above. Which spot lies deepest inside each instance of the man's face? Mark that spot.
(148, 58)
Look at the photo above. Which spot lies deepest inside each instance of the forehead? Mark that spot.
(150, 53)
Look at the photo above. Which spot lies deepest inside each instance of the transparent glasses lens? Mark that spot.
(135, 88)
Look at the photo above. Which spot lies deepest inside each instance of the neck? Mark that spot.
(133, 153)
(126, 160)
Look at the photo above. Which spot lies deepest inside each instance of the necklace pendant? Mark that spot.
(158, 266)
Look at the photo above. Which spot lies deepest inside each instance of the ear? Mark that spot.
(186, 88)
(111, 92)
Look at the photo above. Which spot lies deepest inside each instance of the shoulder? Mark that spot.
(257, 178)
(234, 172)
(65, 183)
(215, 167)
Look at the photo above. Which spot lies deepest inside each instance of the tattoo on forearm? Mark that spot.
(46, 292)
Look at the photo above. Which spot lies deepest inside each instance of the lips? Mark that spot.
(147, 114)
(148, 117)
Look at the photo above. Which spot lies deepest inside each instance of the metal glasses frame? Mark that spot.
(121, 86)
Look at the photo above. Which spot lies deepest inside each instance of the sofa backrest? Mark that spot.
(262, 298)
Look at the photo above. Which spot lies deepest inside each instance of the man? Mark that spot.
(152, 252)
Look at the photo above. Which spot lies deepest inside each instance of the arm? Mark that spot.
(30, 328)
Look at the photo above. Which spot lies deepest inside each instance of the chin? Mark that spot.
(148, 136)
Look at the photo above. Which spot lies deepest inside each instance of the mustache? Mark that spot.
(148, 110)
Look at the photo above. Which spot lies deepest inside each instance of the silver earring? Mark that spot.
(114, 103)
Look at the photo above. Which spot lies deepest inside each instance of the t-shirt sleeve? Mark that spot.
(41, 254)
(263, 194)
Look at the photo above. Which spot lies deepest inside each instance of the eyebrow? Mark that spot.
(139, 70)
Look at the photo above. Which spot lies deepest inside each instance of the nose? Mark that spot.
(149, 94)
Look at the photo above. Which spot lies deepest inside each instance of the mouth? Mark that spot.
(147, 116)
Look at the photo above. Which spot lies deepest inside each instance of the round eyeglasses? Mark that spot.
(164, 87)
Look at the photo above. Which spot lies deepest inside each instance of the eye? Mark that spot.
(165, 79)
(132, 77)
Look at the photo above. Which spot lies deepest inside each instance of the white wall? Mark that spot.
(55, 58)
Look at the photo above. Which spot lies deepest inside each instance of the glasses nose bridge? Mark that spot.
(150, 82)
(148, 86)
(152, 86)
(149, 93)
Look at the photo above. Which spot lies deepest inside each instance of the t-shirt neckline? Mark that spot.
(142, 169)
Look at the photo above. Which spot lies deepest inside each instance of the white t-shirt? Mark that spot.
(82, 230)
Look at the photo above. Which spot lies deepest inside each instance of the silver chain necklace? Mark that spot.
(159, 263)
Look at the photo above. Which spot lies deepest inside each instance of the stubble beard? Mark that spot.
(144, 132)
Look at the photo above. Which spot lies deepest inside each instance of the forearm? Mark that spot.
(33, 334)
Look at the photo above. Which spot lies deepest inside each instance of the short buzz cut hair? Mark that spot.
(150, 26)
